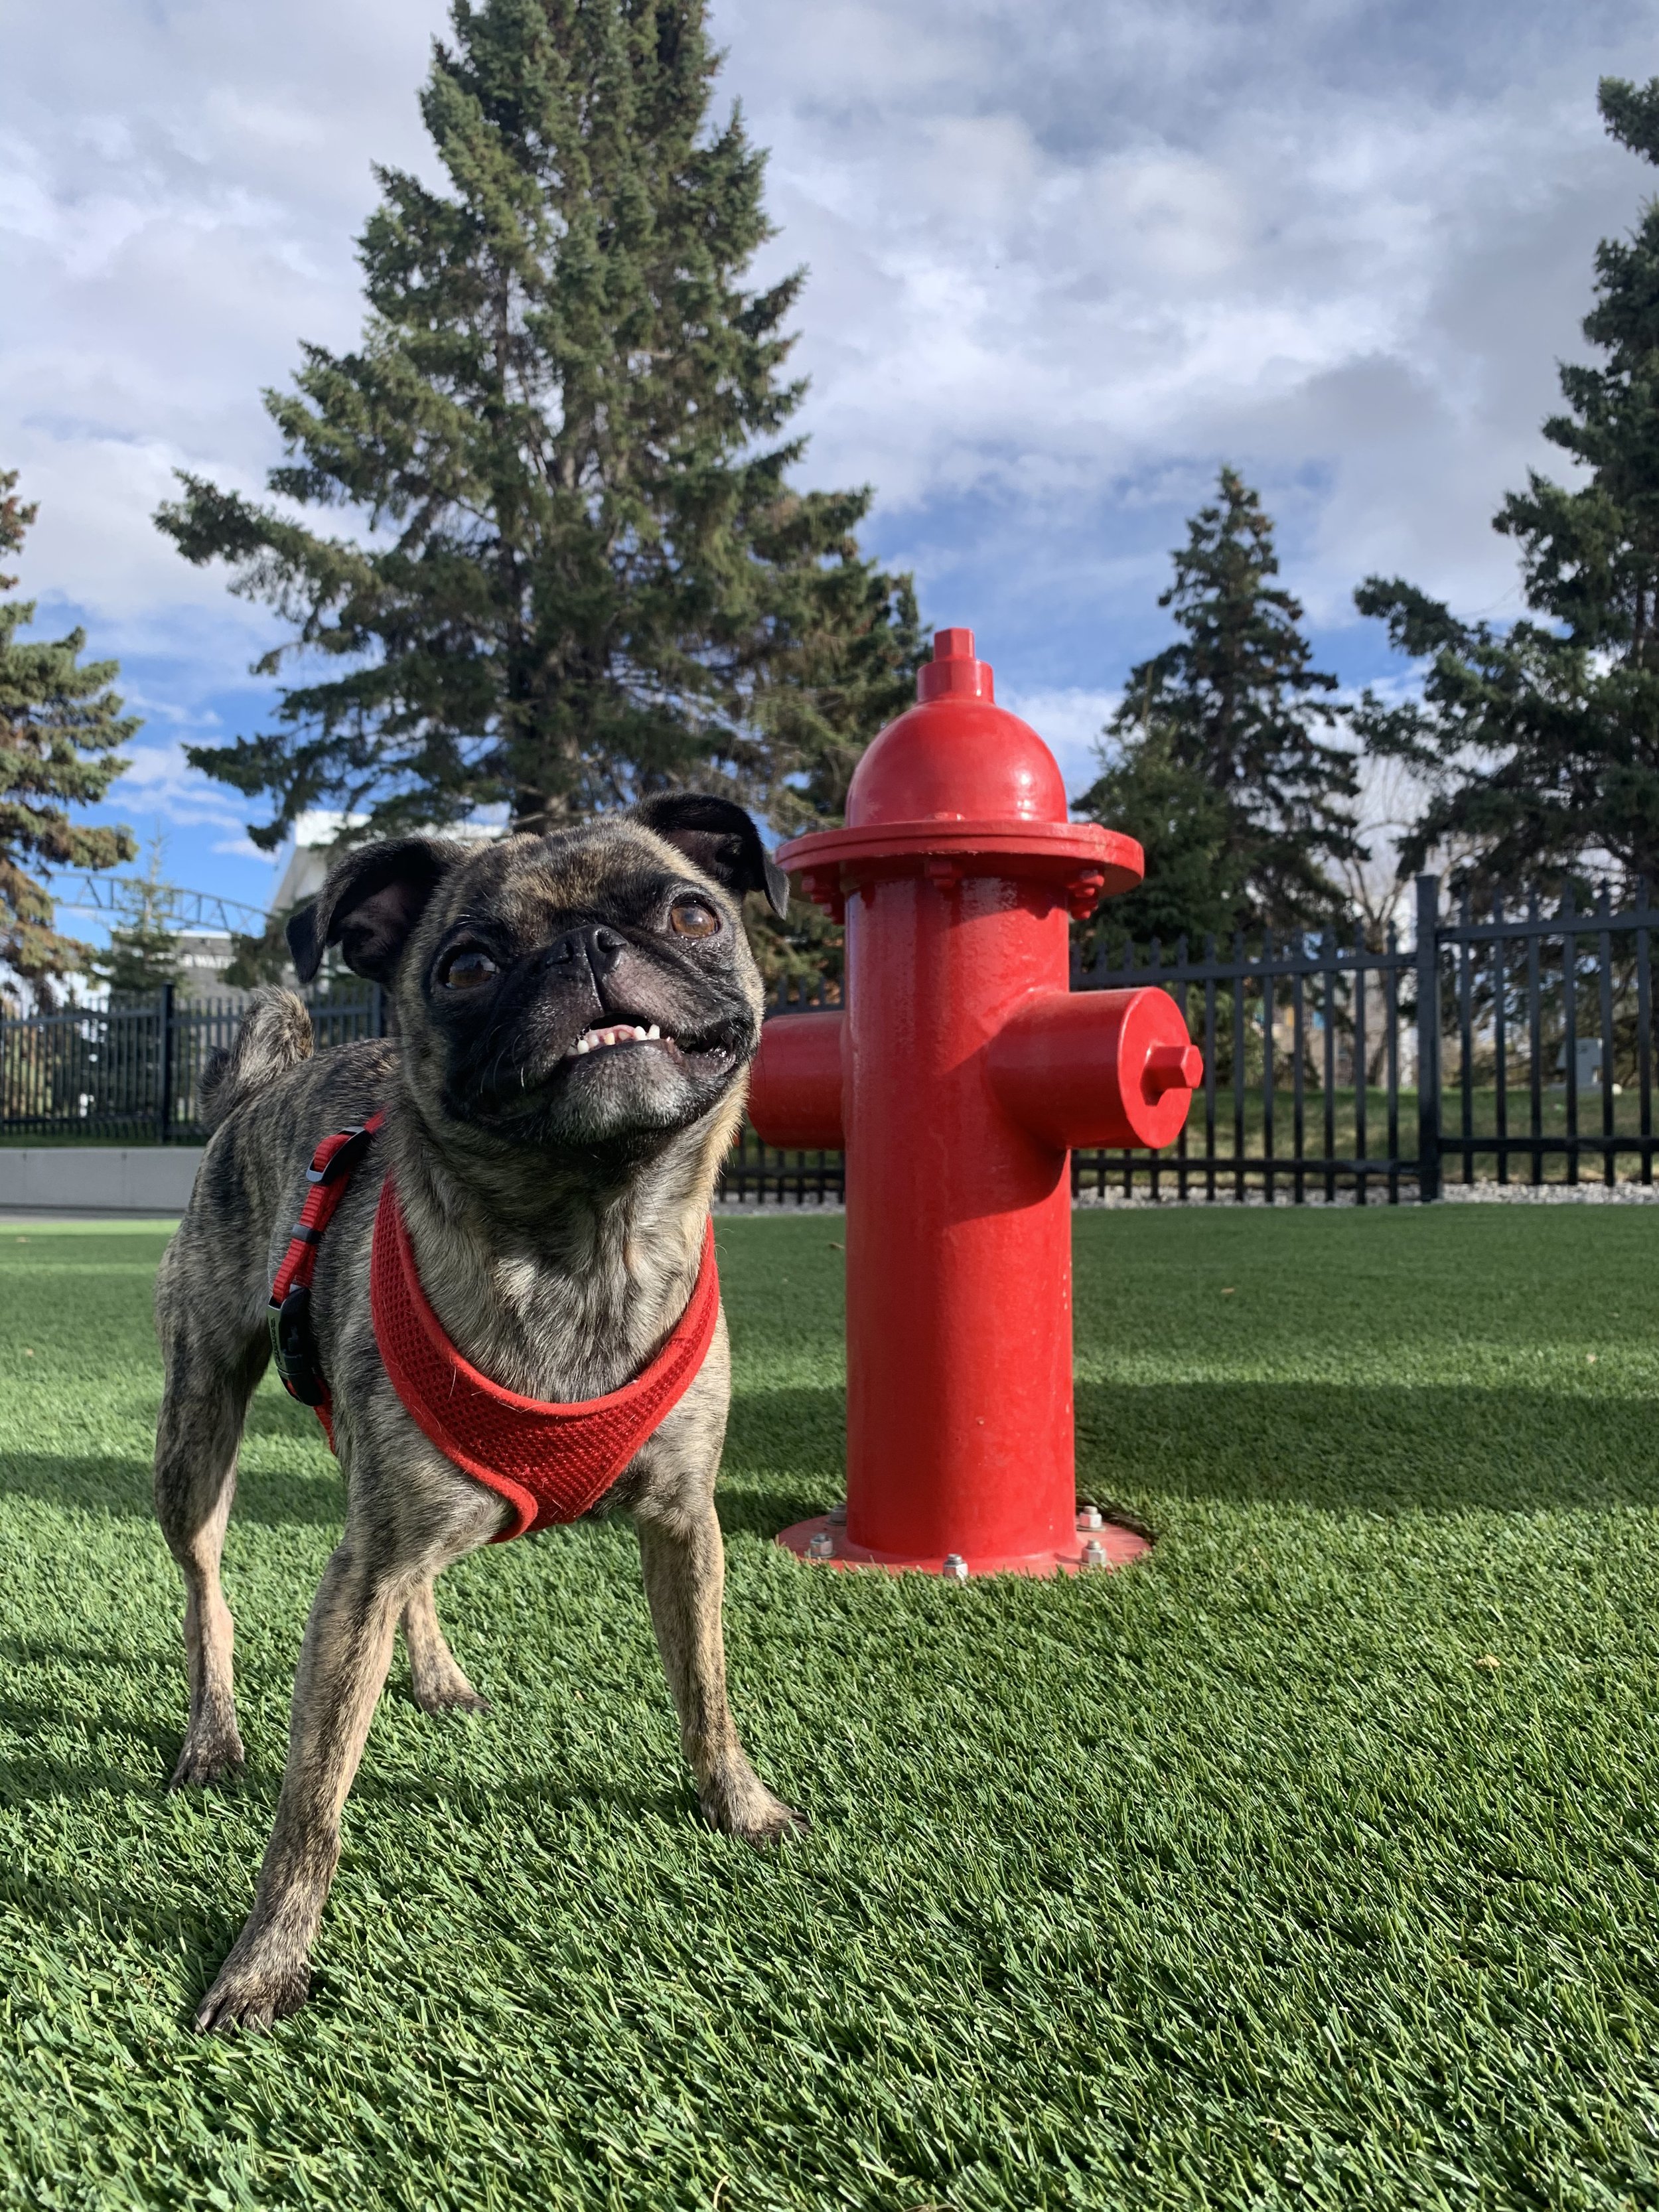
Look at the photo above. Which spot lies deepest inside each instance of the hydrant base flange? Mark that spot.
(1120, 1546)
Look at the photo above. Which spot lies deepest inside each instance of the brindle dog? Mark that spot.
(556, 1202)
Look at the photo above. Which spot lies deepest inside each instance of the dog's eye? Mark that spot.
(693, 917)
(466, 969)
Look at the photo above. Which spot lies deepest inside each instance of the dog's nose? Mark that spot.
(597, 947)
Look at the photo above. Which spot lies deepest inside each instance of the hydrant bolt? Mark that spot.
(821, 1547)
(1090, 1516)
(956, 1567)
(1174, 1067)
(1094, 1552)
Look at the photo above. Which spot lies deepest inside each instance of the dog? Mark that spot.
(574, 1015)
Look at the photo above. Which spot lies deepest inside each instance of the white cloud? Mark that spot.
(160, 787)
(1064, 258)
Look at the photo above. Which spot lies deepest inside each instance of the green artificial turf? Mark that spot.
(1311, 1862)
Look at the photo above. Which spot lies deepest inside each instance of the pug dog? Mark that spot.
(573, 1018)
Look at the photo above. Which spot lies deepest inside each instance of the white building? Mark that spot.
(304, 860)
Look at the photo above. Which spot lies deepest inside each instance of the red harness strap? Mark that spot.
(293, 1346)
(551, 1462)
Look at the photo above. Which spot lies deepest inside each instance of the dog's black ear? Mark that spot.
(373, 899)
(720, 838)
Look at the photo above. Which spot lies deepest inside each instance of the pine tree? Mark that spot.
(1216, 759)
(1540, 744)
(577, 569)
(60, 726)
(142, 955)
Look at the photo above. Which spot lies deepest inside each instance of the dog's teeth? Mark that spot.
(618, 1033)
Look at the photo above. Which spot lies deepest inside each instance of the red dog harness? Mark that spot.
(551, 1462)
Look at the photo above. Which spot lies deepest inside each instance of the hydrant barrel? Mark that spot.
(959, 1073)
(959, 1420)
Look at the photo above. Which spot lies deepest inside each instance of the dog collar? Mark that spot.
(552, 1462)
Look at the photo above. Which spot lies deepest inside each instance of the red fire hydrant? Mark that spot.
(957, 1079)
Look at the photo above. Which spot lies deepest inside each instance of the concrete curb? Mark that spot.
(97, 1181)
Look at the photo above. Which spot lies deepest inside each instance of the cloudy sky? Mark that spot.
(1067, 257)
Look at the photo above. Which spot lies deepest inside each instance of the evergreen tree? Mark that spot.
(142, 955)
(60, 726)
(1194, 885)
(1218, 759)
(578, 571)
(1540, 744)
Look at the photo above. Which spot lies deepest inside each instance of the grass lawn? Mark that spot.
(1310, 1863)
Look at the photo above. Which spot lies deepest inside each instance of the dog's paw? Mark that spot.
(777, 1825)
(209, 1755)
(249, 1994)
(753, 1814)
(457, 1697)
(441, 1688)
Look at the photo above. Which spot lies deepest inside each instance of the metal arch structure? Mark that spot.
(97, 893)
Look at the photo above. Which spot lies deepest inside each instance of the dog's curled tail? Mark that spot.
(276, 1033)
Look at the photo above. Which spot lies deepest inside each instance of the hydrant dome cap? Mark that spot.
(956, 755)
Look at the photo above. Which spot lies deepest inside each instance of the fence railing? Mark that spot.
(1516, 1046)
(129, 1074)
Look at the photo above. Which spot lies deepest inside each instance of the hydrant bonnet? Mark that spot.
(956, 755)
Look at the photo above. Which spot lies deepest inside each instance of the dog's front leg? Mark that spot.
(684, 1560)
(342, 1668)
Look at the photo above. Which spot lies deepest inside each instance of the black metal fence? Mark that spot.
(1516, 1047)
(129, 1074)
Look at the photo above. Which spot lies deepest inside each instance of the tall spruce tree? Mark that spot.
(1218, 758)
(1539, 745)
(60, 728)
(579, 571)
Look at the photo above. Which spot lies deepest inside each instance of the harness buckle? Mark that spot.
(341, 1160)
(294, 1347)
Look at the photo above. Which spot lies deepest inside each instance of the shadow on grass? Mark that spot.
(1341, 1447)
(76, 1779)
(1347, 1448)
(121, 1489)
(785, 1459)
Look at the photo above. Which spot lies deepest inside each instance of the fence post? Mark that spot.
(164, 1105)
(1428, 1038)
